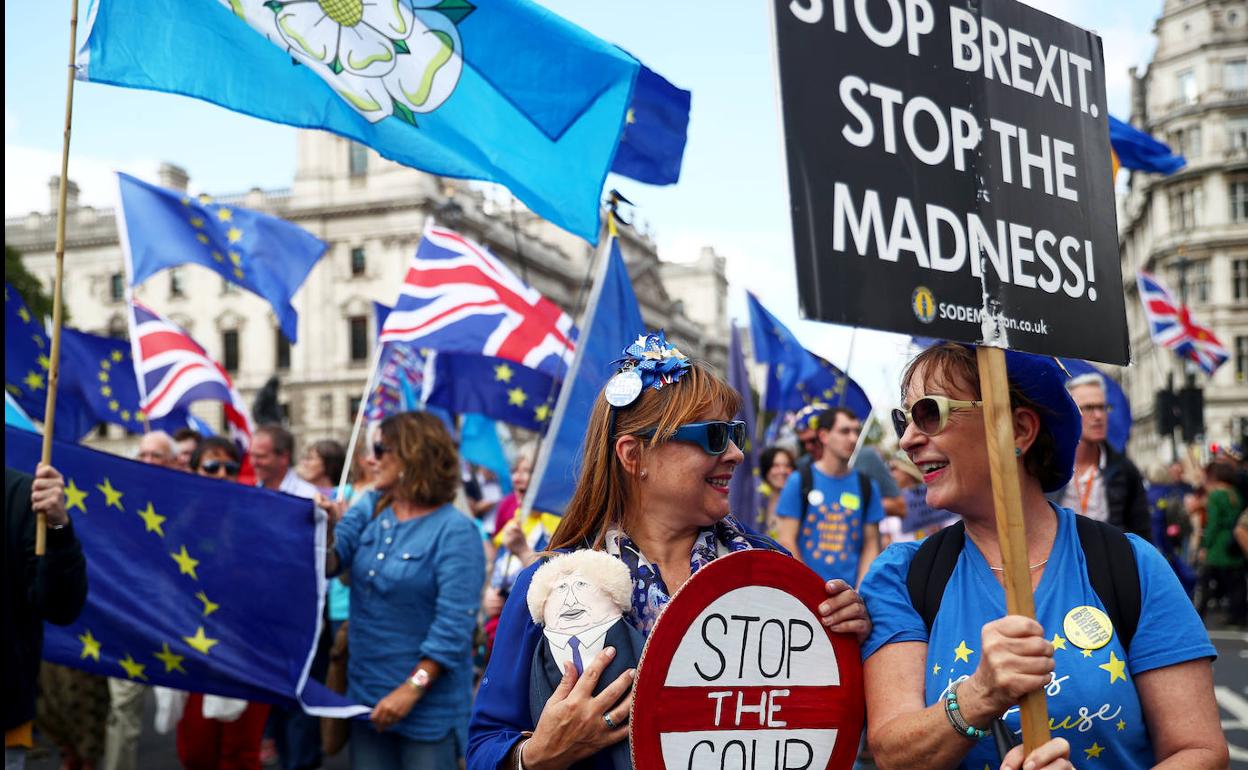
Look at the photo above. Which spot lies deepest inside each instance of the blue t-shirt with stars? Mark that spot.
(1091, 695)
(830, 535)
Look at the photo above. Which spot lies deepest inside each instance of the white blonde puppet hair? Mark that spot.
(598, 567)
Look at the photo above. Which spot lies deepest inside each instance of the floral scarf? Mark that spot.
(650, 594)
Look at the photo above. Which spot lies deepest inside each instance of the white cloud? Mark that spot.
(27, 171)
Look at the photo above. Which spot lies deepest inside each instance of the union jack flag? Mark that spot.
(173, 371)
(460, 298)
(1171, 326)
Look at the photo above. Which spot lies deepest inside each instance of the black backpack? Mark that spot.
(805, 469)
(1112, 571)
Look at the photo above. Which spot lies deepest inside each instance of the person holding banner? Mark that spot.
(660, 449)
(416, 572)
(1129, 683)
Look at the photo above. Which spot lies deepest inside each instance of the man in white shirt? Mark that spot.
(272, 448)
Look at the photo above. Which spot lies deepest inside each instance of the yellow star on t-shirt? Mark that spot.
(962, 652)
(172, 661)
(186, 565)
(200, 642)
(133, 668)
(74, 497)
(1095, 751)
(517, 397)
(502, 373)
(1121, 725)
(90, 646)
(935, 669)
(209, 605)
(152, 520)
(1086, 653)
(1058, 642)
(112, 497)
(1115, 667)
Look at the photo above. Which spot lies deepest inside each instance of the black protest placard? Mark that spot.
(950, 174)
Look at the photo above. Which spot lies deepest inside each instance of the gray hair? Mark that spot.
(599, 567)
(1088, 378)
(171, 448)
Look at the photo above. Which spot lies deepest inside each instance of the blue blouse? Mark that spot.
(415, 591)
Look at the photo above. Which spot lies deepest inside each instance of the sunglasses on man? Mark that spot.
(713, 436)
(214, 467)
(930, 414)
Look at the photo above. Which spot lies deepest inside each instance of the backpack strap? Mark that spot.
(807, 475)
(931, 569)
(864, 494)
(1113, 573)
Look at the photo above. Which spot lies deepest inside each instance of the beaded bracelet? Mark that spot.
(959, 724)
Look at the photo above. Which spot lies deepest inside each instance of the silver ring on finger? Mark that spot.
(611, 725)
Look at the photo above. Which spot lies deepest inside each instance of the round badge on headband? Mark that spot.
(650, 362)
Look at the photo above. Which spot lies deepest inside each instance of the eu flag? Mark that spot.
(98, 373)
(1137, 150)
(26, 364)
(507, 92)
(174, 561)
(263, 254)
(653, 144)
(499, 389)
(743, 498)
(830, 386)
(612, 322)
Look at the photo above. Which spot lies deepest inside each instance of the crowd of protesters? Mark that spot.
(426, 549)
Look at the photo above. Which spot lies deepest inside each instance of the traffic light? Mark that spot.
(1166, 409)
(1192, 413)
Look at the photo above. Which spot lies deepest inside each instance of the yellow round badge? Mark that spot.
(1088, 627)
(923, 303)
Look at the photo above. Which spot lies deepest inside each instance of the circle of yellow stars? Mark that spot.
(76, 498)
(228, 262)
(517, 396)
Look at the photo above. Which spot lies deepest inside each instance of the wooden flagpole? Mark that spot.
(54, 355)
(1008, 503)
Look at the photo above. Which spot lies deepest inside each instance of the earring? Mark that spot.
(1018, 451)
(643, 473)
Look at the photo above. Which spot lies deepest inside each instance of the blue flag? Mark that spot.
(500, 389)
(508, 92)
(743, 498)
(653, 144)
(1137, 150)
(1119, 423)
(14, 415)
(174, 560)
(479, 445)
(795, 376)
(263, 254)
(613, 320)
(99, 373)
(26, 365)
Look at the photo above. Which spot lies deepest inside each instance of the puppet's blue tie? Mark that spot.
(576, 655)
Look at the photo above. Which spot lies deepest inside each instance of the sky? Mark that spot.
(732, 194)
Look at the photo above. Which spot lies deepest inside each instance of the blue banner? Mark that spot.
(743, 497)
(494, 387)
(507, 92)
(653, 145)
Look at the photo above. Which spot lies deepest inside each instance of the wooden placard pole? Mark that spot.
(54, 355)
(1011, 533)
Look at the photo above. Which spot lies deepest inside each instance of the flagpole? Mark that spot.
(844, 383)
(359, 420)
(54, 355)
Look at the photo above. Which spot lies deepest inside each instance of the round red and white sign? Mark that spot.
(739, 673)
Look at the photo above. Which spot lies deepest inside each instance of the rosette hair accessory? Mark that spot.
(650, 362)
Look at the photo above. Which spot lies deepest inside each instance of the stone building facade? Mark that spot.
(371, 213)
(1192, 226)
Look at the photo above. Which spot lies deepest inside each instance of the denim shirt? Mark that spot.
(415, 590)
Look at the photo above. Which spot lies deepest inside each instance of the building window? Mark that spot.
(116, 287)
(1197, 280)
(1185, 87)
(327, 406)
(358, 327)
(1239, 278)
(1241, 359)
(117, 328)
(357, 261)
(1185, 205)
(1239, 200)
(229, 347)
(1238, 130)
(177, 283)
(1235, 76)
(1186, 141)
(353, 406)
(283, 351)
(357, 159)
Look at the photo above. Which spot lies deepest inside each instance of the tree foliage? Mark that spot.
(28, 286)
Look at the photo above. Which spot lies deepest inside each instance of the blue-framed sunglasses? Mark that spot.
(713, 436)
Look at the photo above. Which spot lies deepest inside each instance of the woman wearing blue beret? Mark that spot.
(1116, 645)
(660, 448)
